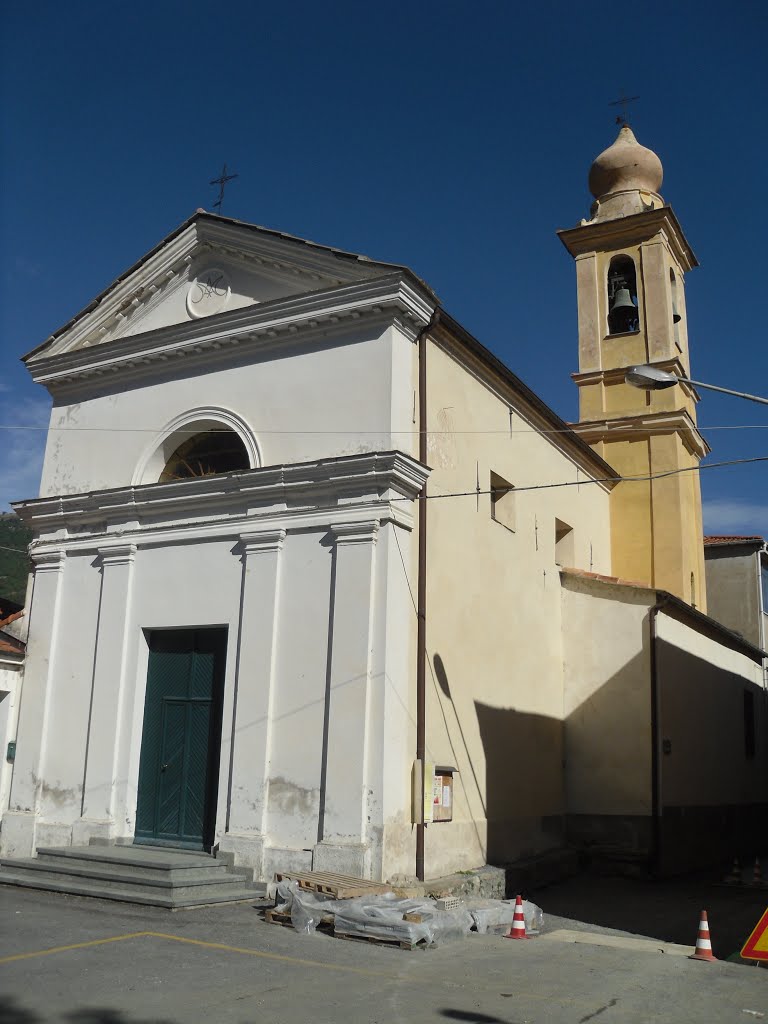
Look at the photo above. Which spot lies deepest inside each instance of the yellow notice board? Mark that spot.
(756, 946)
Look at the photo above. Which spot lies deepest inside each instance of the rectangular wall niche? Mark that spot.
(502, 501)
(563, 543)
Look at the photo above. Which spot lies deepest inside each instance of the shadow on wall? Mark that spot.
(714, 763)
(588, 781)
(520, 783)
(524, 789)
(608, 765)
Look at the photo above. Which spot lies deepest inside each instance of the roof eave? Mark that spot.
(564, 431)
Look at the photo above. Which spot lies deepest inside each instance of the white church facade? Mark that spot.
(301, 545)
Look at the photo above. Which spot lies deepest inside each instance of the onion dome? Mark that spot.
(625, 166)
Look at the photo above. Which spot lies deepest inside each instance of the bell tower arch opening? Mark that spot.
(623, 314)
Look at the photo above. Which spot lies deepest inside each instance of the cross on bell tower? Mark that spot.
(631, 259)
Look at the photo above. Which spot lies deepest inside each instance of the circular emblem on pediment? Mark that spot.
(208, 293)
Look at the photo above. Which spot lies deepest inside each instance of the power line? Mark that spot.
(411, 433)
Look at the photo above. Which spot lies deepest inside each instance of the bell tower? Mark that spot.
(631, 260)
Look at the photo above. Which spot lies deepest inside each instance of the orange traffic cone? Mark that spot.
(734, 878)
(703, 949)
(757, 874)
(517, 931)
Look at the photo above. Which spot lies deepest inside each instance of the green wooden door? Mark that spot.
(179, 766)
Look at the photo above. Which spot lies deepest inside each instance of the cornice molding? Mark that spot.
(645, 425)
(365, 532)
(389, 297)
(255, 542)
(48, 560)
(617, 375)
(305, 495)
(117, 554)
(596, 236)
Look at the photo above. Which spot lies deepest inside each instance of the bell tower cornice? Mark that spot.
(591, 236)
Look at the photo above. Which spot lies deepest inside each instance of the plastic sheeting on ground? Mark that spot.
(382, 916)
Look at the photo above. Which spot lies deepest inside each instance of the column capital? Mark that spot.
(117, 554)
(48, 561)
(355, 533)
(259, 541)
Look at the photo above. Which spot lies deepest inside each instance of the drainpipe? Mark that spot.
(656, 793)
(421, 600)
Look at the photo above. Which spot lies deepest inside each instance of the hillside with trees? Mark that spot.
(15, 564)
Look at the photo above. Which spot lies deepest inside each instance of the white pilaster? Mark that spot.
(107, 698)
(253, 696)
(17, 838)
(344, 840)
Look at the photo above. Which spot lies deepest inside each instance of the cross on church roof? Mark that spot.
(221, 181)
(623, 102)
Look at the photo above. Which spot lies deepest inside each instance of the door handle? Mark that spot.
(163, 767)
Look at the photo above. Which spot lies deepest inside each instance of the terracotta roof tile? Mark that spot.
(734, 539)
(584, 573)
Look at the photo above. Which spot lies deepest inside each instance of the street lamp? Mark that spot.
(650, 378)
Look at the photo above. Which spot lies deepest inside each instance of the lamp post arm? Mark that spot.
(725, 391)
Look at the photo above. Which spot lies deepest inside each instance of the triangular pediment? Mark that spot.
(209, 265)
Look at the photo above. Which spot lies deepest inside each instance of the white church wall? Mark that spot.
(10, 692)
(234, 285)
(304, 719)
(301, 669)
(306, 399)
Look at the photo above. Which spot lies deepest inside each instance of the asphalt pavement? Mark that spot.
(91, 962)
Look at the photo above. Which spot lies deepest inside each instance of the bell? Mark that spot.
(623, 311)
(676, 318)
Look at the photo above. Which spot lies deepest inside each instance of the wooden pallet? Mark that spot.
(380, 940)
(341, 887)
(274, 916)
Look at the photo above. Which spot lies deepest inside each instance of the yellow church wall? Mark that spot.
(591, 327)
(631, 511)
(495, 676)
(656, 525)
(678, 544)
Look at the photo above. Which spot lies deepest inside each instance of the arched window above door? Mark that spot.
(208, 453)
(201, 442)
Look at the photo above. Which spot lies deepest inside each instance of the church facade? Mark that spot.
(311, 565)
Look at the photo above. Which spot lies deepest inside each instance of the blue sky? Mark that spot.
(452, 137)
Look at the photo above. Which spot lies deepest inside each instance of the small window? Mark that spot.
(764, 586)
(693, 590)
(206, 454)
(623, 316)
(563, 543)
(749, 724)
(502, 501)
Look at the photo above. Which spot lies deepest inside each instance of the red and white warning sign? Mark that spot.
(756, 946)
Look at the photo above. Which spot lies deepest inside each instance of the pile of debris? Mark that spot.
(353, 908)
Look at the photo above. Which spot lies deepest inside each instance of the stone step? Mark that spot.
(71, 858)
(156, 876)
(117, 876)
(169, 899)
(151, 857)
